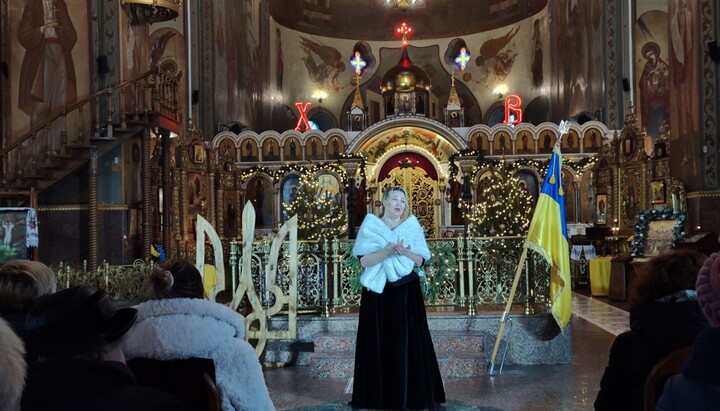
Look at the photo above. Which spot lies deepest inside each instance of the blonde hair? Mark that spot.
(22, 282)
(386, 195)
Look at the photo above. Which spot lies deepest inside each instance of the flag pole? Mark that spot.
(508, 305)
(563, 129)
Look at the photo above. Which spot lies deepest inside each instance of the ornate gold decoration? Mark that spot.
(404, 5)
(227, 180)
(122, 282)
(158, 10)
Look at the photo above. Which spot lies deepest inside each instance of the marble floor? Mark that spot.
(594, 324)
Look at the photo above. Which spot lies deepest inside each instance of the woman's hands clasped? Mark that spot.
(398, 248)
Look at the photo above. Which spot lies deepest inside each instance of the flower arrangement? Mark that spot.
(642, 224)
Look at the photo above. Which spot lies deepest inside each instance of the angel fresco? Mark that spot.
(327, 72)
(495, 59)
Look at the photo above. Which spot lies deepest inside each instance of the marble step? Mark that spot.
(332, 364)
(460, 355)
(333, 343)
(443, 341)
(341, 365)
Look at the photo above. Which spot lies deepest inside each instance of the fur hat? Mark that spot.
(73, 321)
(707, 286)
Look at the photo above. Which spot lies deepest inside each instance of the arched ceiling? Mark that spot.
(433, 143)
(372, 20)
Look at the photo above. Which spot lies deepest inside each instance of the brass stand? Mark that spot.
(471, 306)
(325, 312)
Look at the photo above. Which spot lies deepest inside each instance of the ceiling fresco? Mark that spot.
(372, 20)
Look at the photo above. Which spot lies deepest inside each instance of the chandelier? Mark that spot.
(158, 10)
(403, 5)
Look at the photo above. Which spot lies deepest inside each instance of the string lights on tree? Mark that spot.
(320, 213)
(505, 211)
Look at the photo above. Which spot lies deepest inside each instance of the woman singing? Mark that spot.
(395, 363)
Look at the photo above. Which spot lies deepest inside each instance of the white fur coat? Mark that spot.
(181, 328)
(374, 235)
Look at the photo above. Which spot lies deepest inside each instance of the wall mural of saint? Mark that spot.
(682, 65)
(51, 37)
(577, 65)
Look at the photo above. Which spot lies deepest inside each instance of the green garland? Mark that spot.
(7, 253)
(642, 224)
(439, 269)
(540, 166)
(299, 168)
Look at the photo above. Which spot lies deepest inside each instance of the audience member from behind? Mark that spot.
(12, 368)
(664, 316)
(698, 387)
(21, 283)
(177, 323)
(80, 366)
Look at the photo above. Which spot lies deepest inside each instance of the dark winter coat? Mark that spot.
(698, 387)
(656, 329)
(87, 385)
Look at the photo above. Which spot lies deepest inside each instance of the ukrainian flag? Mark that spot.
(547, 235)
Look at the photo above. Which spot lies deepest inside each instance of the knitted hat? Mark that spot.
(707, 286)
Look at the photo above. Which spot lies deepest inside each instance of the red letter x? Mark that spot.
(303, 120)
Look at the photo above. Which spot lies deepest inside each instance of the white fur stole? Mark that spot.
(374, 235)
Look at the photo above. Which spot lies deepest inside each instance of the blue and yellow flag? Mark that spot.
(548, 236)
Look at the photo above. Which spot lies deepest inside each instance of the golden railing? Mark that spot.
(463, 272)
(480, 271)
(122, 282)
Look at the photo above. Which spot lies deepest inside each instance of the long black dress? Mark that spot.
(395, 363)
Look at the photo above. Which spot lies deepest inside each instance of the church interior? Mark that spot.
(139, 130)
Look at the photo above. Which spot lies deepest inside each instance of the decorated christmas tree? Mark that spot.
(320, 213)
(503, 210)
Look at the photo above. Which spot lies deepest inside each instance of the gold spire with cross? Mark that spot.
(357, 100)
(453, 98)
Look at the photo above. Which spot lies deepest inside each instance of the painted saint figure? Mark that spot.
(47, 75)
(654, 89)
(293, 150)
(536, 67)
(682, 64)
(8, 229)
